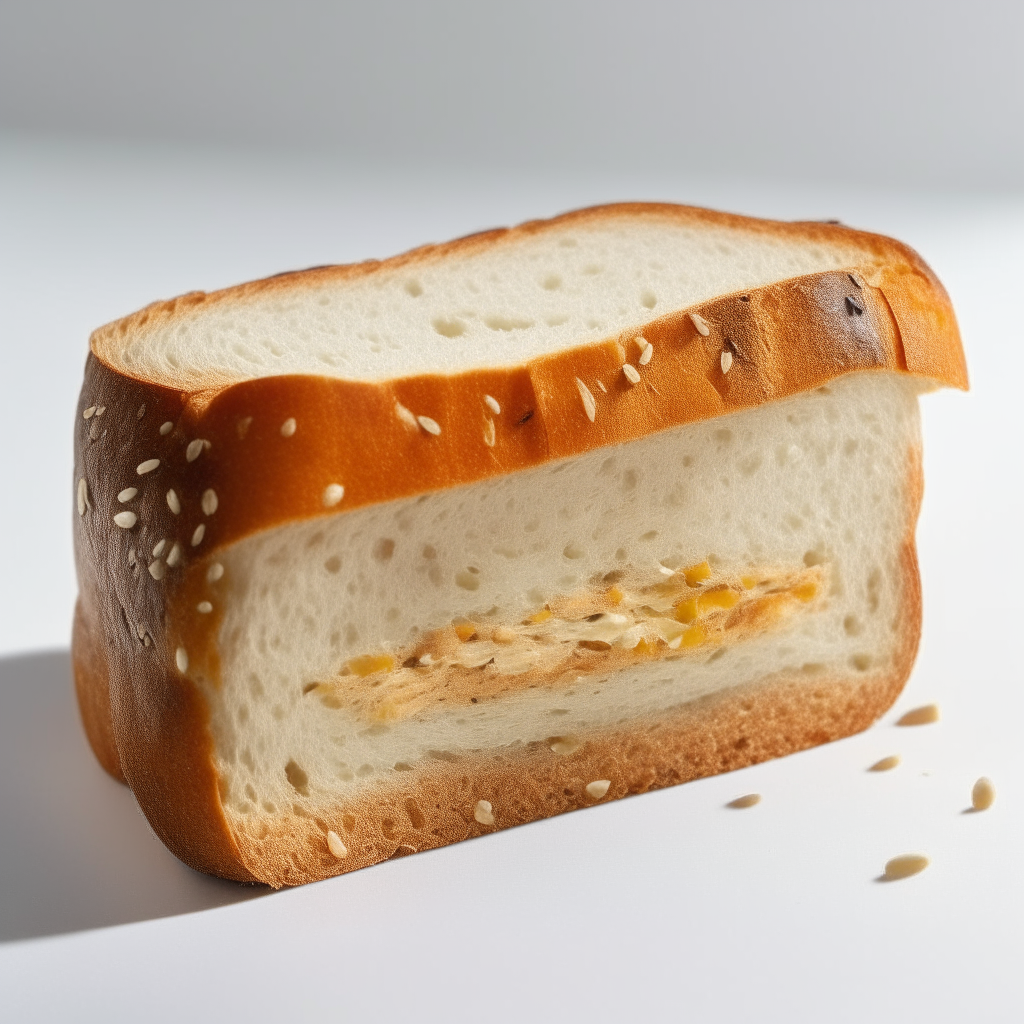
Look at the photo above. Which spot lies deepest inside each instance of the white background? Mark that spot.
(147, 154)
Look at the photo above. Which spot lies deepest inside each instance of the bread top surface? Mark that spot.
(496, 299)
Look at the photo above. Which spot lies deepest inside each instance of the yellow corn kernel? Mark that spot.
(542, 616)
(465, 630)
(615, 595)
(713, 599)
(805, 591)
(693, 636)
(367, 664)
(696, 574)
(686, 611)
(749, 582)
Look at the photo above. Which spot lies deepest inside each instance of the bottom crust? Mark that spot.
(527, 782)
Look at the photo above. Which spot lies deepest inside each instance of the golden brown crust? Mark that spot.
(784, 338)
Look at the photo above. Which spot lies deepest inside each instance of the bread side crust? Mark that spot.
(785, 338)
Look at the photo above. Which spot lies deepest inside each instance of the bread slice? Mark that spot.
(376, 558)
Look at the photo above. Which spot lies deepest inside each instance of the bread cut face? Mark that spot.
(498, 529)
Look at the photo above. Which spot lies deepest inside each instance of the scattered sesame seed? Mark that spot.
(166, 428)
(701, 324)
(141, 412)
(333, 493)
(921, 716)
(600, 384)
(405, 415)
(489, 432)
(288, 427)
(100, 410)
(492, 404)
(172, 501)
(197, 534)
(214, 573)
(632, 374)
(596, 790)
(726, 360)
(147, 467)
(159, 549)
(905, 866)
(82, 496)
(750, 800)
(195, 449)
(856, 279)
(666, 571)
(157, 569)
(336, 846)
(204, 607)
(209, 501)
(126, 520)
(127, 494)
(983, 794)
(648, 351)
(565, 745)
(853, 307)
(174, 556)
(140, 630)
(242, 427)
(181, 659)
(89, 413)
(589, 405)
(429, 425)
(483, 812)
(886, 764)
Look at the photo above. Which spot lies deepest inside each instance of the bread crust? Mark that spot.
(784, 338)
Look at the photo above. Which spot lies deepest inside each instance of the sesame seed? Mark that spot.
(632, 374)
(126, 520)
(905, 866)
(159, 549)
(89, 413)
(405, 415)
(333, 493)
(596, 790)
(750, 800)
(156, 569)
(856, 279)
(489, 433)
(701, 324)
(492, 404)
(288, 427)
(589, 405)
(886, 764)
(197, 534)
(147, 467)
(429, 425)
(726, 361)
(600, 384)
(666, 571)
(336, 846)
(82, 496)
(648, 351)
(172, 501)
(483, 812)
(166, 428)
(242, 427)
(141, 412)
(214, 573)
(565, 745)
(140, 630)
(195, 449)
(100, 410)
(983, 794)
(204, 607)
(853, 307)
(174, 556)
(127, 494)
(181, 659)
(209, 501)
(921, 716)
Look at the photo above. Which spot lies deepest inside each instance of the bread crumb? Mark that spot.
(483, 812)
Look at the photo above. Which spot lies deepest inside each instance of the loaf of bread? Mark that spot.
(375, 558)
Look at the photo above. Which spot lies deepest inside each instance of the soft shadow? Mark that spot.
(75, 850)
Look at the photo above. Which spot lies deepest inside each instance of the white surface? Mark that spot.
(666, 906)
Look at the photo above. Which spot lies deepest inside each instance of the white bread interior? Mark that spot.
(822, 482)
(449, 310)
